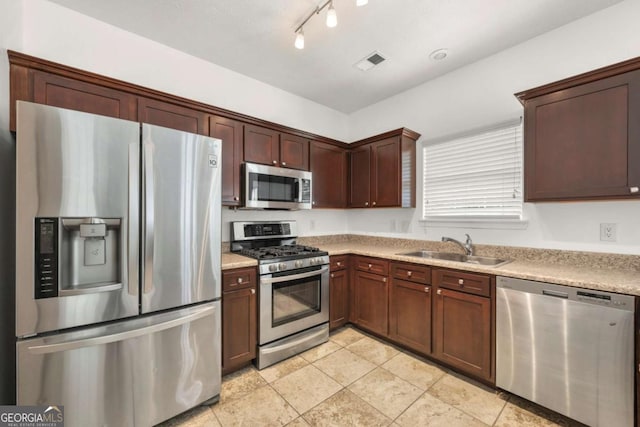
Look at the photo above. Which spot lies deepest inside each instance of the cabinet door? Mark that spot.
(410, 315)
(230, 132)
(371, 302)
(338, 298)
(360, 174)
(294, 152)
(261, 145)
(385, 184)
(172, 116)
(239, 328)
(462, 332)
(329, 168)
(584, 142)
(50, 89)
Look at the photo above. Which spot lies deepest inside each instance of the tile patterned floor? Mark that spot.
(357, 380)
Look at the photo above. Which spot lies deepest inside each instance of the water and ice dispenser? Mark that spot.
(77, 256)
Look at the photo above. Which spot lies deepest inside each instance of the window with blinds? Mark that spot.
(475, 177)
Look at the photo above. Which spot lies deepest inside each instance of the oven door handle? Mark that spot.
(269, 280)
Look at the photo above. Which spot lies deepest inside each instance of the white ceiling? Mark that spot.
(255, 38)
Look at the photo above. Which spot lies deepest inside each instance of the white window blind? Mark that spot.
(475, 177)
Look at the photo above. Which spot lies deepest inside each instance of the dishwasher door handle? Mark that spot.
(555, 294)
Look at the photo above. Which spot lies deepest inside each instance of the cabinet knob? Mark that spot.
(284, 163)
(634, 189)
(253, 291)
(275, 162)
(409, 273)
(332, 275)
(314, 203)
(236, 198)
(338, 263)
(369, 266)
(366, 203)
(426, 289)
(239, 279)
(439, 292)
(460, 281)
(384, 279)
(374, 203)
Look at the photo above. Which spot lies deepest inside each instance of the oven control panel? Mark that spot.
(294, 264)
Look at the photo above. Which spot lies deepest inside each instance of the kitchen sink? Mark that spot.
(450, 256)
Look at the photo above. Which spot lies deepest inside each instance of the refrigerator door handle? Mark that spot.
(133, 222)
(121, 336)
(148, 217)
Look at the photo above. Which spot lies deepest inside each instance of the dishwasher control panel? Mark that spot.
(589, 296)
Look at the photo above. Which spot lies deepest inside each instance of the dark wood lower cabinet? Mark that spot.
(338, 298)
(371, 299)
(410, 315)
(239, 319)
(462, 332)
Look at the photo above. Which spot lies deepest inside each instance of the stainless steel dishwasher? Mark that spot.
(568, 349)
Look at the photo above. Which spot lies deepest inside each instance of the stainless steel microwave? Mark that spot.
(271, 187)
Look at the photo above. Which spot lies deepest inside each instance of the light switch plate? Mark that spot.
(608, 232)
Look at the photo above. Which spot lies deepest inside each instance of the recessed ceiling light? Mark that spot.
(438, 54)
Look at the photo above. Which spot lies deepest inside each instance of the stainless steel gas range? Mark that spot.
(293, 309)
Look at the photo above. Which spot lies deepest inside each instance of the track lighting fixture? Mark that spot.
(300, 39)
(332, 20)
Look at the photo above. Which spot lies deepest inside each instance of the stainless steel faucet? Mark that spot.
(467, 246)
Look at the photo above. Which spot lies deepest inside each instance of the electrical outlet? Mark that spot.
(608, 232)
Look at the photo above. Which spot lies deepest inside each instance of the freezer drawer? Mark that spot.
(131, 373)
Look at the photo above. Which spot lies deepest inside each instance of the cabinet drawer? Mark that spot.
(238, 279)
(471, 283)
(411, 272)
(338, 262)
(372, 265)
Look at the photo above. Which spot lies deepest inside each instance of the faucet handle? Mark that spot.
(468, 239)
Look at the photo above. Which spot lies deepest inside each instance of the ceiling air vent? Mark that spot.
(369, 61)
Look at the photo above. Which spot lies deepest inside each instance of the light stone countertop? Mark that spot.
(230, 261)
(579, 269)
(612, 280)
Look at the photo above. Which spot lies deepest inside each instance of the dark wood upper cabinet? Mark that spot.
(385, 167)
(360, 177)
(294, 152)
(261, 145)
(383, 171)
(172, 116)
(329, 168)
(270, 147)
(582, 137)
(230, 132)
(57, 91)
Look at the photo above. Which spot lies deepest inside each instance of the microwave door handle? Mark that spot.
(297, 188)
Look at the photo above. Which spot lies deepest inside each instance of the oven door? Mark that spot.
(293, 301)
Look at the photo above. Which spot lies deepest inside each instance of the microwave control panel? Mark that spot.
(46, 258)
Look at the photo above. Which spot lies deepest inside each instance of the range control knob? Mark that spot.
(282, 266)
(299, 263)
(273, 268)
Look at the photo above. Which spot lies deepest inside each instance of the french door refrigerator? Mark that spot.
(117, 267)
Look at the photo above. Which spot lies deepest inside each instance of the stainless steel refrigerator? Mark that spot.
(117, 267)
